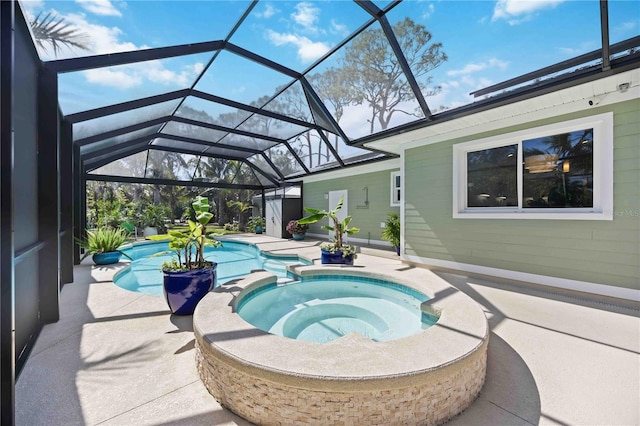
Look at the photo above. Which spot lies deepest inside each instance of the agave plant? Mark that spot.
(104, 240)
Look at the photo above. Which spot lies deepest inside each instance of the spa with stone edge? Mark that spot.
(380, 345)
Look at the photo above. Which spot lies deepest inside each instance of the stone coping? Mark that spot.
(346, 362)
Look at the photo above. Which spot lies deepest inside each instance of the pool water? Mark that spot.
(323, 309)
(234, 261)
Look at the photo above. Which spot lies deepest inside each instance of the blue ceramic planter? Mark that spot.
(108, 258)
(327, 258)
(184, 289)
(298, 237)
(258, 229)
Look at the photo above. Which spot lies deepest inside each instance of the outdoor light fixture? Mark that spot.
(565, 166)
(623, 87)
(595, 100)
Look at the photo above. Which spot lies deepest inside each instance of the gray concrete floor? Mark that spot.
(119, 358)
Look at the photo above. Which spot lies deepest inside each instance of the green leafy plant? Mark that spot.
(256, 221)
(104, 240)
(154, 216)
(295, 227)
(391, 231)
(339, 228)
(232, 226)
(188, 245)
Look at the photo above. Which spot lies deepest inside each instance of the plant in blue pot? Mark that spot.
(256, 224)
(104, 244)
(297, 230)
(189, 277)
(335, 251)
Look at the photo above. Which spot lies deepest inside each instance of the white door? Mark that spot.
(334, 199)
(273, 218)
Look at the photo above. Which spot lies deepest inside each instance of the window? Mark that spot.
(396, 188)
(559, 171)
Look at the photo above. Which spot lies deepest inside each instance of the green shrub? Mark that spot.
(391, 231)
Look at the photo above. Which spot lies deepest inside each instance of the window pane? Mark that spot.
(295, 34)
(558, 170)
(131, 166)
(492, 177)
(94, 88)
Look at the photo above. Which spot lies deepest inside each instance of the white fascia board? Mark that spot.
(391, 164)
(574, 99)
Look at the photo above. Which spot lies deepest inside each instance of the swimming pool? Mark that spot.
(325, 308)
(234, 259)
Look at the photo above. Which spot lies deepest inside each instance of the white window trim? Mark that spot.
(602, 172)
(393, 201)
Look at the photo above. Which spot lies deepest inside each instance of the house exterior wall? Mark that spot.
(367, 219)
(586, 251)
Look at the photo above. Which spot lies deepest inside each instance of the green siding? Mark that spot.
(368, 220)
(604, 252)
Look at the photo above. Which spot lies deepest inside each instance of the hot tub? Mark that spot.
(423, 378)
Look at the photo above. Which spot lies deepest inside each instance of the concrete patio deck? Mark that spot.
(119, 358)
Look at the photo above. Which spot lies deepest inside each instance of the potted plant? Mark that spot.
(391, 231)
(189, 277)
(297, 229)
(257, 224)
(103, 244)
(153, 220)
(334, 251)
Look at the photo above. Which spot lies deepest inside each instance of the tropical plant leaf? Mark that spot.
(314, 211)
(312, 219)
(53, 31)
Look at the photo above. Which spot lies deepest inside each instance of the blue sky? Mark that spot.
(486, 42)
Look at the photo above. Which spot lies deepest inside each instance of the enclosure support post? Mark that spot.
(48, 197)
(7, 250)
(77, 195)
(66, 202)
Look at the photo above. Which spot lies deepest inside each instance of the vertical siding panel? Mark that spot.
(367, 219)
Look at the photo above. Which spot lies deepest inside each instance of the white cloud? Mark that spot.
(625, 27)
(29, 6)
(517, 11)
(102, 39)
(99, 7)
(307, 50)
(156, 72)
(475, 67)
(426, 14)
(239, 90)
(267, 12)
(198, 67)
(306, 15)
(340, 29)
(119, 79)
(136, 75)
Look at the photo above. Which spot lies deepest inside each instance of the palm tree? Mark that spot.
(53, 31)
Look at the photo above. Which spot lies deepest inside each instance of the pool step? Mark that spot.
(286, 281)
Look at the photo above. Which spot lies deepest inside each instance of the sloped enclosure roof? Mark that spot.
(252, 94)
